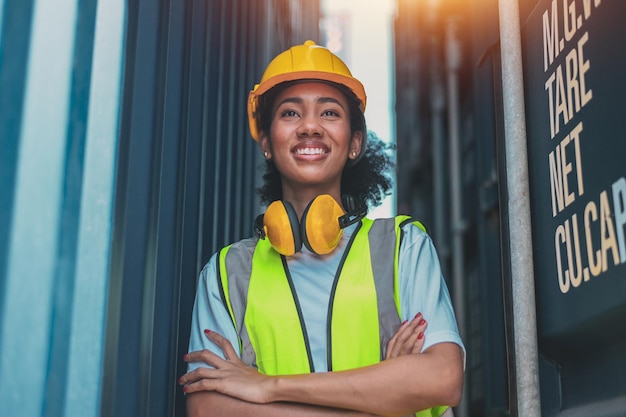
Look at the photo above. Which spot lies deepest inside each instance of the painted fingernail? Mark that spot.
(185, 357)
(404, 322)
(207, 331)
(180, 381)
(421, 335)
(422, 322)
(186, 388)
(418, 315)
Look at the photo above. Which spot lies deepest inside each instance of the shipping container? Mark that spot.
(125, 162)
(467, 94)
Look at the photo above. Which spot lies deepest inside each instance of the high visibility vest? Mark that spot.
(363, 313)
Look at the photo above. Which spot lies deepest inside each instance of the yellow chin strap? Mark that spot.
(320, 228)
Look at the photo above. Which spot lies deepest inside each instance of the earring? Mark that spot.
(353, 154)
(265, 154)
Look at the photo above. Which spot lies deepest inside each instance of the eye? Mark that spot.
(330, 113)
(288, 113)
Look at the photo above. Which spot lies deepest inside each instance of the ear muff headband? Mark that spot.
(320, 229)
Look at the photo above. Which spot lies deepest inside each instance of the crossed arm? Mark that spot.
(400, 385)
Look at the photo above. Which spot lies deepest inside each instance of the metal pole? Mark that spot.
(453, 62)
(437, 107)
(520, 240)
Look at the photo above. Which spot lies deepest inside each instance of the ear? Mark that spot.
(265, 145)
(355, 144)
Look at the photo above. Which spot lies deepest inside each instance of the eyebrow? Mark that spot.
(321, 100)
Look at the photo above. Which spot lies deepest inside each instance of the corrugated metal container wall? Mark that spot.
(126, 162)
(186, 178)
(447, 116)
(569, 85)
(60, 84)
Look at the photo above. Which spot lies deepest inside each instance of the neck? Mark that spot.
(301, 198)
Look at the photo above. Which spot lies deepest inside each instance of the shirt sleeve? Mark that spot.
(210, 313)
(424, 290)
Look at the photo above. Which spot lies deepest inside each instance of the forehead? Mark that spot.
(312, 90)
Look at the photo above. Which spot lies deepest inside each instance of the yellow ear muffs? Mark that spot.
(320, 229)
(282, 228)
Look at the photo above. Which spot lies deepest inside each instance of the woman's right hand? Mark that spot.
(408, 339)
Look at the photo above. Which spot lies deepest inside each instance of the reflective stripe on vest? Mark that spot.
(256, 287)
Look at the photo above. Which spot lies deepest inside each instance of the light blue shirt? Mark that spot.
(422, 289)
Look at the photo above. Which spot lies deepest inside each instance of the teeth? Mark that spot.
(310, 151)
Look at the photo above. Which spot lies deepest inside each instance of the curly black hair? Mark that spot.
(368, 181)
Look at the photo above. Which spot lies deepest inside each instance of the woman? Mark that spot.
(325, 308)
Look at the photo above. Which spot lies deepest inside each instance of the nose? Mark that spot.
(309, 126)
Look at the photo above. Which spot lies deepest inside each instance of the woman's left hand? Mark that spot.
(231, 376)
(408, 339)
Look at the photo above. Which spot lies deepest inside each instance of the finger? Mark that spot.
(418, 344)
(396, 341)
(202, 384)
(197, 375)
(410, 337)
(419, 333)
(415, 321)
(403, 340)
(205, 356)
(223, 343)
(407, 336)
(390, 344)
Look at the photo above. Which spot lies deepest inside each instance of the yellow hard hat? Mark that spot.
(301, 62)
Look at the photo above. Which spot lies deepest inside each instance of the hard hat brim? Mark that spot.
(351, 84)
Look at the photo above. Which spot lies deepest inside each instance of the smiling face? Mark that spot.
(310, 139)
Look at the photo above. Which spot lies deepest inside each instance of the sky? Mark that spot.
(364, 40)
